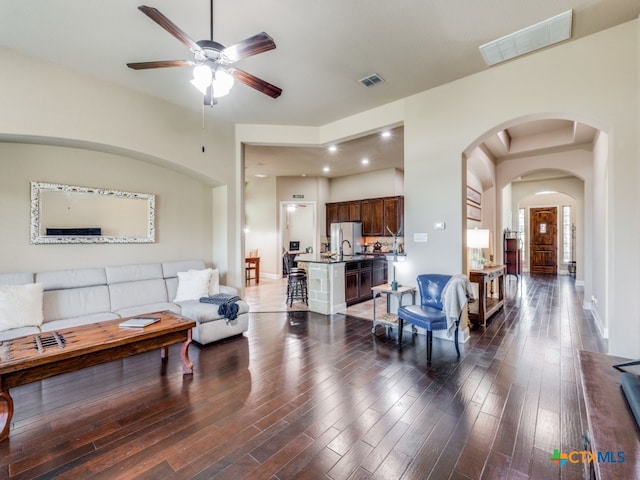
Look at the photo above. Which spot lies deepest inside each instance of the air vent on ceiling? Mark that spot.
(371, 80)
(542, 34)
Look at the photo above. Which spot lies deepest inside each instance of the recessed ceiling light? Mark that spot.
(546, 192)
(261, 175)
(365, 161)
(325, 169)
(333, 148)
(385, 134)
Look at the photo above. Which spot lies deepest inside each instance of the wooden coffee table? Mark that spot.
(36, 357)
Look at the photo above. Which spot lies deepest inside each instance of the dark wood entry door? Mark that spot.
(543, 243)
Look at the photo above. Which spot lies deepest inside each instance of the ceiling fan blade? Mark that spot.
(255, 82)
(159, 64)
(155, 15)
(250, 46)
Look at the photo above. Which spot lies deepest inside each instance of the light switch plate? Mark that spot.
(439, 226)
(420, 237)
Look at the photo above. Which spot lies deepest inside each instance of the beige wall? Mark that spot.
(183, 220)
(381, 183)
(261, 209)
(593, 80)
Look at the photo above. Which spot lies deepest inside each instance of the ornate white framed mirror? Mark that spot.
(74, 214)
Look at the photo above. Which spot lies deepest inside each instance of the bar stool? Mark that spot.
(297, 286)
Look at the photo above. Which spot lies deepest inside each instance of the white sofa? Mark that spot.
(88, 295)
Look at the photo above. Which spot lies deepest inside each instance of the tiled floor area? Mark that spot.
(270, 296)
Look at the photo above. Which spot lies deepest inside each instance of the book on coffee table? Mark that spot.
(139, 322)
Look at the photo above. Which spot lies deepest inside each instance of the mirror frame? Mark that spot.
(37, 188)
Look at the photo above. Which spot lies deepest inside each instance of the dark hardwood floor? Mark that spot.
(308, 396)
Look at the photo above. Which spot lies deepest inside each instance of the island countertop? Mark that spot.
(318, 258)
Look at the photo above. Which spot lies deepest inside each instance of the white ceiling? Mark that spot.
(323, 49)
(381, 153)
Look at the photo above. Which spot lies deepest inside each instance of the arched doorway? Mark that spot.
(555, 155)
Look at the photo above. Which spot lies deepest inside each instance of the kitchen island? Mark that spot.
(335, 282)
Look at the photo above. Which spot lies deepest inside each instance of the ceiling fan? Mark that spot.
(213, 73)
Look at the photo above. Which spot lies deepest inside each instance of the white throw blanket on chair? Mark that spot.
(455, 295)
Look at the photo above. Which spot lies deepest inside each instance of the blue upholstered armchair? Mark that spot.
(431, 314)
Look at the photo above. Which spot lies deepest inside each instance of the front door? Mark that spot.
(543, 244)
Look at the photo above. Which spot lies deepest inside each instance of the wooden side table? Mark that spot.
(389, 320)
(487, 304)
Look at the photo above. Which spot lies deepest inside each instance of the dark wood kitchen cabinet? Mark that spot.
(374, 213)
(393, 208)
(343, 212)
(379, 272)
(351, 283)
(360, 276)
(355, 211)
(332, 216)
(372, 217)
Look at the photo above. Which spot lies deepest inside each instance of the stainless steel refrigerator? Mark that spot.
(351, 231)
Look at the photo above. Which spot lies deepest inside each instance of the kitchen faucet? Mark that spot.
(341, 249)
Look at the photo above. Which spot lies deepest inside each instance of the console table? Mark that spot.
(487, 304)
(611, 424)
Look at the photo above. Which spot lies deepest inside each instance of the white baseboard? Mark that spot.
(272, 276)
(604, 331)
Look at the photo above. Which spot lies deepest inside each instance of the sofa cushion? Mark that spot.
(193, 285)
(81, 277)
(20, 306)
(20, 278)
(75, 302)
(149, 308)
(132, 294)
(133, 273)
(17, 333)
(207, 312)
(205, 333)
(214, 281)
(77, 321)
(171, 269)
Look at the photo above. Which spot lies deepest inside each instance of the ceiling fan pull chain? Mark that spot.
(202, 130)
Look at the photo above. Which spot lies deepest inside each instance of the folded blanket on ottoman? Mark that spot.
(228, 307)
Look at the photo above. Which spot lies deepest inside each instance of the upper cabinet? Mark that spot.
(393, 215)
(373, 218)
(374, 213)
(355, 212)
(343, 212)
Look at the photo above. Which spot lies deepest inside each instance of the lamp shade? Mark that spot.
(477, 238)
(222, 83)
(202, 77)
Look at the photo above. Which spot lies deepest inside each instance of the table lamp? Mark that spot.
(476, 241)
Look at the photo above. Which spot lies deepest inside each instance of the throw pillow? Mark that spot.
(20, 306)
(214, 280)
(192, 285)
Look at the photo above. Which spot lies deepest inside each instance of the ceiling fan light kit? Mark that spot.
(213, 75)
